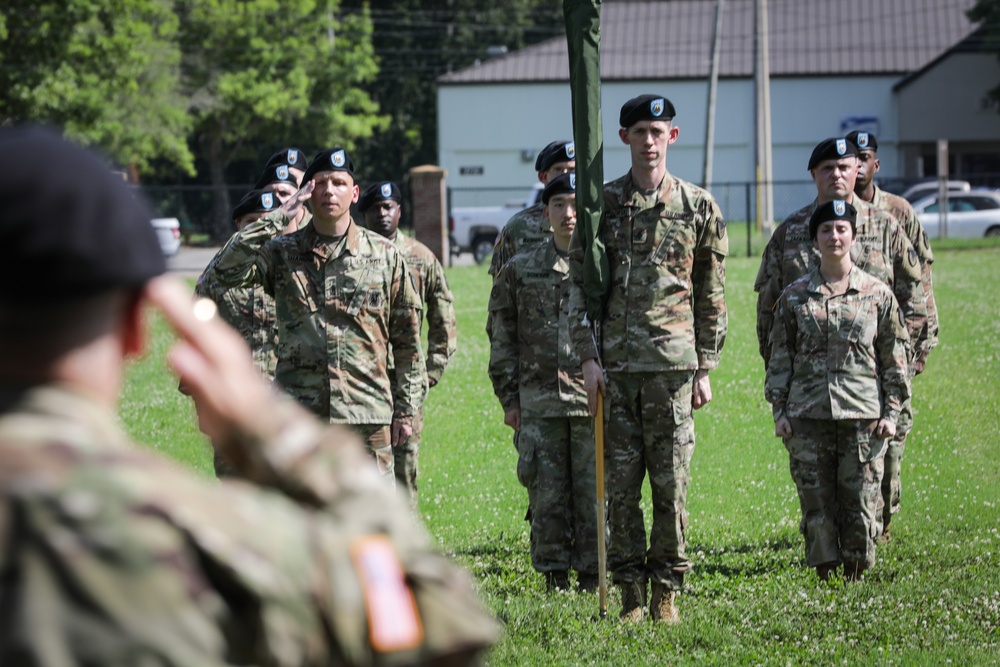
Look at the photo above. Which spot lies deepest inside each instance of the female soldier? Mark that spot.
(836, 381)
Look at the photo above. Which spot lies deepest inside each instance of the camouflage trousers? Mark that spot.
(377, 441)
(556, 463)
(888, 501)
(649, 428)
(405, 461)
(836, 467)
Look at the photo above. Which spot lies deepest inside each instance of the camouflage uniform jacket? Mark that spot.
(882, 250)
(111, 554)
(666, 310)
(907, 218)
(432, 286)
(342, 306)
(525, 229)
(533, 365)
(838, 356)
(249, 310)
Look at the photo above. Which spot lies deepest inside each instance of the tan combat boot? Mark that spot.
(633, 601)
(662, 605)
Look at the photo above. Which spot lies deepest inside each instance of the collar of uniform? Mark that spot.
(321, 246)
(817, 284)
(70, 406)
(552, 258)
(878, 198)
(665, 188)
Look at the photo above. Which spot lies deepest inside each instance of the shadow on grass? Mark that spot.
(733, 561)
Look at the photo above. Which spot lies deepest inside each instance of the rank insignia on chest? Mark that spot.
(374, 299)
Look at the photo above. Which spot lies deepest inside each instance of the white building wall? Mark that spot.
(499, 128)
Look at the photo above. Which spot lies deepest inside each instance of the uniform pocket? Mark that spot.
(527, 466)
(870, 447)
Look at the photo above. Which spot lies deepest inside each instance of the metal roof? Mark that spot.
(672, 39)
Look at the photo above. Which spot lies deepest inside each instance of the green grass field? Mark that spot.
(933, 598)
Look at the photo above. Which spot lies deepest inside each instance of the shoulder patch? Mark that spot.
(393, 619)
(911, 257)
(720, 229)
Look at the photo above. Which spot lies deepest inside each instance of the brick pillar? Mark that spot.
(430, 210)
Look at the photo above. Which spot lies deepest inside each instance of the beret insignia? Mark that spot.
(656, 107)
(293, 156)
(839, 207)
(386, 190)
(338, 159)
(572, 181)
(862, 140)
(282, 172)
(841, 146)
(267, 200)
(571, 150)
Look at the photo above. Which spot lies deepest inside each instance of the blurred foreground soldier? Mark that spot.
(866, 189)
(111, 554)
(344, 302)
(837, 380)
(882, 248)
(664, 326)
(536, 375)
(380, 204)
(529, 227)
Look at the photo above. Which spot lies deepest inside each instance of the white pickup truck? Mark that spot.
(475, 228)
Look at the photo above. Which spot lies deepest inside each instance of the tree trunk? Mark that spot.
(221, 224)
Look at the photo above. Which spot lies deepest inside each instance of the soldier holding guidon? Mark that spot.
(664, 325)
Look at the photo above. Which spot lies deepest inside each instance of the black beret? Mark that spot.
(332, 159)
(275, 173)
(865, 141)
(646, 107)
(557, 151)
(377, 192)
(256, 201)
(561, 185)
(69, 227)
(838, 209)
(832, 149)
(293, 157)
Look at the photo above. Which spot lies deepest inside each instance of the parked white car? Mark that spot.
(475, 228)
(971, 215)
(930, 187)
(168, 233)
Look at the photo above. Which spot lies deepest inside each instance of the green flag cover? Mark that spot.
(583, 38)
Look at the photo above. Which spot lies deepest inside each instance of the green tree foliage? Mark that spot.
(416, 42)
(988, 12)
(269, 72)
(107, 72)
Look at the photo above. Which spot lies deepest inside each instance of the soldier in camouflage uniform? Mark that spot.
(344, 302)
(536, 375)
(529, 227)
(900, 209)
(111, 554)
(837, 379)
(380, 204)
(882, 248)
(248, 310)
(663, 329)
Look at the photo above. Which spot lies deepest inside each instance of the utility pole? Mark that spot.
(713, 85)
(765, 195)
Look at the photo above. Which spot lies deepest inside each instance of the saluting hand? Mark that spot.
(293, 205)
